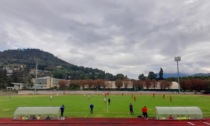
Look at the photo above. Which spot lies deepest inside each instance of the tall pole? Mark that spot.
(35, 77)
(177, 59)
(36, 71)
(178, 74)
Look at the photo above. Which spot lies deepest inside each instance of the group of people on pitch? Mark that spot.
(144, 111)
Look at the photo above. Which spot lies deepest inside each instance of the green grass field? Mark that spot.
(78, 105)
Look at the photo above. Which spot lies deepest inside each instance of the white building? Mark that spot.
(46, 82)
(18, 86)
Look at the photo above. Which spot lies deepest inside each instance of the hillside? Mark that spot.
(47, 61)
(30, 57)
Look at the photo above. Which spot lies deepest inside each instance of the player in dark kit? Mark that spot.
(62, 110)
(131, 109)
(91, 108)
(109, 100)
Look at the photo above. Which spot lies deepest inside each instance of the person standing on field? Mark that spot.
(131, 109)
(144, 110)
(91, 108)
(62, 110)
(109, 100)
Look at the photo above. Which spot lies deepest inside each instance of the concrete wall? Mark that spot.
(25, 92)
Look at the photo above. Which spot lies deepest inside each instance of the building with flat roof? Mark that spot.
(46, 82)
(18, 86)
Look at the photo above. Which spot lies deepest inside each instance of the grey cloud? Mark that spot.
(131, 37)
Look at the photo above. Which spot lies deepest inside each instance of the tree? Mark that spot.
(103, 83)
(89, 83)
(98, 83)
(147, 84)
(138, 84)
(16, 76)
(195, 84)
(27, 81)
(3, 78)
(82, 83)
(125, 82)
(208, 85)
(75, 84)
(203, 84)
(118, 84)
(160, 74)
(142, 77)
(101, 75)
(151, 75)
(199, 84)
(109, 76)
(119, 77)
(154, 84)
(62, 84)
(186, 85)
(164, 84)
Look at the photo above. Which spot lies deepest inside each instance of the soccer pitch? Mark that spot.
(78, 105)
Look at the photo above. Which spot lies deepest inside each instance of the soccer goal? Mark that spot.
(37, 113)
(178, 113)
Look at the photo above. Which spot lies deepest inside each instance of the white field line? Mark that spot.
(191, 123)
(206, 123)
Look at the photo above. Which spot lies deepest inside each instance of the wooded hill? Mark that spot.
(29, 57)
(47, 61)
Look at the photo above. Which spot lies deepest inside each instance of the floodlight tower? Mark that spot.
(177, 59)
(35, 78)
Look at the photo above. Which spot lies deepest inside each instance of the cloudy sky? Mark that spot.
(117, 36)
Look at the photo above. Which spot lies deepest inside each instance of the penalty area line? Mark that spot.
(191, 123)
(206, 123)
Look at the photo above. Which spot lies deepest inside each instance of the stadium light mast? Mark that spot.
(177, 59)
(35, 78)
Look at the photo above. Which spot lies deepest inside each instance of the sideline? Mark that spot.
(191, 123)
(101, 122)
(206, 123)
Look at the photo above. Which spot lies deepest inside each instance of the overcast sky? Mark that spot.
(117, 36)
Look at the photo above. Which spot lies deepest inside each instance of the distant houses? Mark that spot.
(10, 68)
(50, 82)
(46, 81)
